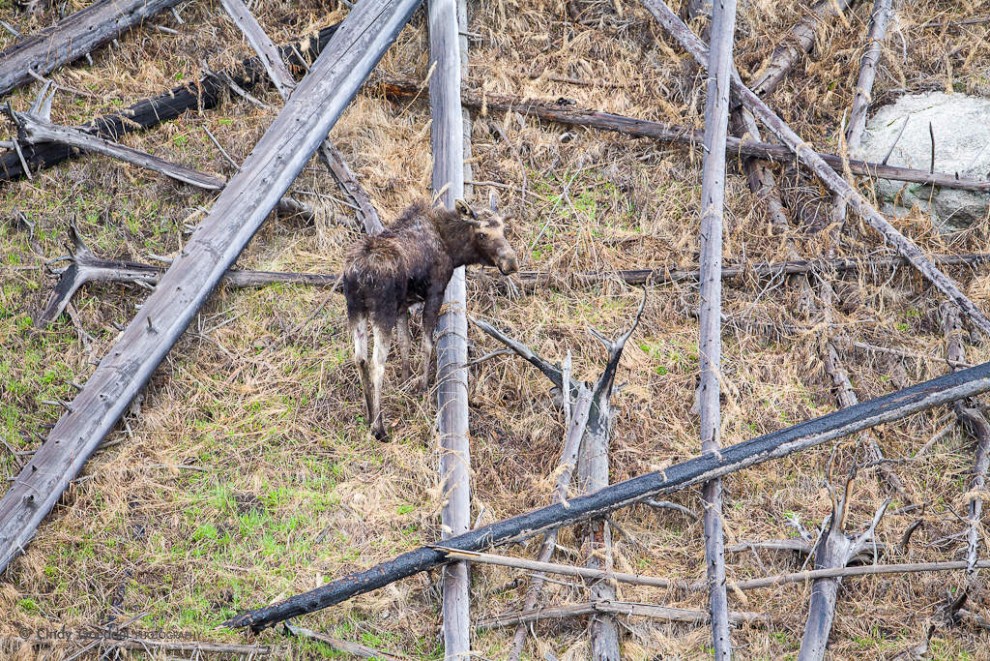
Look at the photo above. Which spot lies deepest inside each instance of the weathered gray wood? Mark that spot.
(879, 20)
(710, 308)
(834, 182)
(704, 468)
(35, 130)
(242, 206)
(975, 422)
(347, 647)
(833, 551)
(798, 41)
(281, 77)
(447, 139)
(568, 115)
(73, 37)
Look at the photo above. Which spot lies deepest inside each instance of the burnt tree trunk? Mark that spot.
(204, 94)
(839, 424)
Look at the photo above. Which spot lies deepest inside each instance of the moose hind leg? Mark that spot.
(380, 355)
(359, 331)
(404, 340)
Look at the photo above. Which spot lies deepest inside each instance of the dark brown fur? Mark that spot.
(411, 262)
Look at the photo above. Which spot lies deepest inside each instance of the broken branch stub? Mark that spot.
(734, 458)
(239, 211)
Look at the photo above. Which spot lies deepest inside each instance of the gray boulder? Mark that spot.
(961, 126)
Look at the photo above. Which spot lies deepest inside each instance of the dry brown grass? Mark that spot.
(248, 474)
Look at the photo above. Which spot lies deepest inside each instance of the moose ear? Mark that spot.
(464, 209)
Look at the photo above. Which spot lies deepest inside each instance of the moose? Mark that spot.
(411, 262)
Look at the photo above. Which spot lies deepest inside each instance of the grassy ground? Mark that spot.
(247, 474)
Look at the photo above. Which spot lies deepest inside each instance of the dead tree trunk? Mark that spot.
(710, 343)
(566, 114)
(204, 93)
(279, 74)
(447, 140)
(237, 214)
(73, 37)
(577, 407)
(676, 28)
(704, 468)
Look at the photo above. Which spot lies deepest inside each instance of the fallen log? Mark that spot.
(239, 211)
(563, 112)
(690, 42)
(204, 93)
(448, 142)
(85, 267)
(615, 608)
(710, 309)
(734, 458)
(975, 422)
(73, 37)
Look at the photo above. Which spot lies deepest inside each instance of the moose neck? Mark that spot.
(458, 238)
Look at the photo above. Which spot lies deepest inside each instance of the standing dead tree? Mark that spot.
(204, 93)
(706, 467)
(834, 182)
(449, 140)
(281, 77)
(73, 37)
(243, 205)
(588, 421)
(710, 312)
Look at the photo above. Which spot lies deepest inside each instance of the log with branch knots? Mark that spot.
(810, 159)
(73, 37)
(236, 216)
(775, 445)
(564, 112)
(710, 308)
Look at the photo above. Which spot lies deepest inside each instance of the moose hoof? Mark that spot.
(380, 434)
